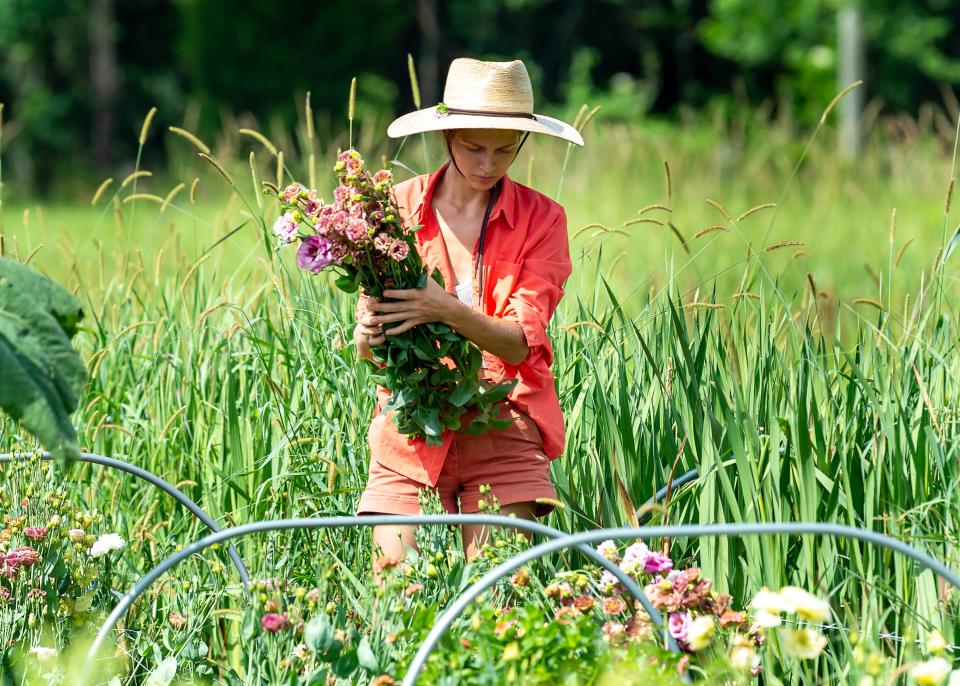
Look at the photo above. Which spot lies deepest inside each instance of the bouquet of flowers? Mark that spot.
(431, 371)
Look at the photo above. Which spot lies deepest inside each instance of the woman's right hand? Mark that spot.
(367, 332)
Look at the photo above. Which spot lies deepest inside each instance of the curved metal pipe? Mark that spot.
(453, 611)
(162, 484)
(366, 520)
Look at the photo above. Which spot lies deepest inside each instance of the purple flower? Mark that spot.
(315, 254)
(657, 563)
(286, 227)
(678, 625)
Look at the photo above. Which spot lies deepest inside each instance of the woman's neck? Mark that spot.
(454, 190)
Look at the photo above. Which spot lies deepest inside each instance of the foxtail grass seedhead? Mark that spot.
(143, 196)
(669, 182)
(100, 191)
(837, 98)
(193, 190)
(893, 224)
(903, 249)
(264, 141)
(352, 105)
(752, 210)
(216, 165)
(656, 206)
(704, 306)
(588, 118)
(719, 208)
(308, 115)
(172, 194)
(867, 301)
(580, 114)
(745, 294)
(414, 84)
(711, 229)
(782, 244)
(949, 196)
(135, 175)
(197, 143)
(643, 220)
(145, 129)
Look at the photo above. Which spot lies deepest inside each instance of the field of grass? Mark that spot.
(809, 382)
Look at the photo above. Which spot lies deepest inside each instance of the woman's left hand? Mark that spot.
(415, 306)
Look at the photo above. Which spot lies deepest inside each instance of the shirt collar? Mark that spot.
(505, 205)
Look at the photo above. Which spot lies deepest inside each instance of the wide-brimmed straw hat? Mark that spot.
(484, 95)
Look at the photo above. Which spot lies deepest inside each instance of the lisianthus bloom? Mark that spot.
(657, 563)
(678, 625)
(272, 622)
(609, 550)
(806, 644)
(634, 558)
(357, 230)
(37, 594)
(613, 630)
(931, 672)
(4, 595)
(744, 656)
(954, 678)
(700, 632)
(399, 251)
(315, 254)
(105, 544)
(37, 533)
(583, 603)
(286, 227)
(25, 556)
(76, 535)
(608, 583)
(803, 604)
(384, 176)
(936, 643)
(292, 192)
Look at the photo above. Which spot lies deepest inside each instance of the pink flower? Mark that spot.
(311, 206)
(634, 558)
(383, 177)
(612, 630)
(285, 227)
(272, 622)
(354, 165)
(609, 584)
(292, 192)
(614, 605)
(24, 556)
(36, 594)
(657, 563)
(357, 230)
(678, 625)
(342, 194)
(399, 251)
(4, 595)
(383, 243)
(315, 254)
(347, 154)
(37, 533)
(8, 571)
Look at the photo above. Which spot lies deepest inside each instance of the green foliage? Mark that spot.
(43, 375)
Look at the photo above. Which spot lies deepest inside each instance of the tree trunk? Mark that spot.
(103, 78)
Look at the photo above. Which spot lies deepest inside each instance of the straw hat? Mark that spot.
(484, 95)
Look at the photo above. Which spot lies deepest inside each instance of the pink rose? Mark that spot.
(286, 228)
(37, 533)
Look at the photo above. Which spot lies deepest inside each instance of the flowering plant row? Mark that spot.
(431, 371)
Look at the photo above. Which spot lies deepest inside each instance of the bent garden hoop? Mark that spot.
(368, 520)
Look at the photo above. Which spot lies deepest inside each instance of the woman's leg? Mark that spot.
(475, 535)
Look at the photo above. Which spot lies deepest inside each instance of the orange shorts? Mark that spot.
(510, 460)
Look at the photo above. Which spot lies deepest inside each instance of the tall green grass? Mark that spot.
(818, 386)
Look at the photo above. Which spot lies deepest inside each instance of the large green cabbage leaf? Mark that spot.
(41, 375)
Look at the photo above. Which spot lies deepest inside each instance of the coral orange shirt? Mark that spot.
(525, 264)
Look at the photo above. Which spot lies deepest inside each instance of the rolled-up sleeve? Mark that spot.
(539, 285)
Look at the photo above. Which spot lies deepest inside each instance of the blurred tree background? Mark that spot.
(77, 76)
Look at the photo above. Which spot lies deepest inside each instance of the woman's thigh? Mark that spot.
(476, 536)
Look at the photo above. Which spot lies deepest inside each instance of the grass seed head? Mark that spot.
(145, 129)
(197, 143)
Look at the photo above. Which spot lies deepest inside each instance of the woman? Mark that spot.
(503, 251)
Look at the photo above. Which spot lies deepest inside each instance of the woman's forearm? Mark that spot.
(500, 337)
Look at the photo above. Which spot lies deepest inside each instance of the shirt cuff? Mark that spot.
(532, 326)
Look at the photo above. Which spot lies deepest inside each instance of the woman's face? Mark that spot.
(483, 155)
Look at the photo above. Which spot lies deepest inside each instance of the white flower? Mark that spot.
(931, 672)
(865, 681)
(76, 535)
(700, 632)
(634, 558)
(954, 678)
(105, 544)
(936, 643)
(609, 550)
(803, 604)
(608, 583)
(767, 606)
(744, 657)
(805, 644)
(43, 653)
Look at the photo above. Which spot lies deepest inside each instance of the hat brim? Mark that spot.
(428, 119)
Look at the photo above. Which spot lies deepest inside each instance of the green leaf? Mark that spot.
(163, 674)
(438, 277)
(43, 375)
(366, 657)
(346, 283)
(464, 392)
(429, 418)
(318, 634)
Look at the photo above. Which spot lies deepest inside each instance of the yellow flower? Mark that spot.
(805, 605)
(936, 643)
(511, 652)
(930, 673)
(700, 632)
(805, 644)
